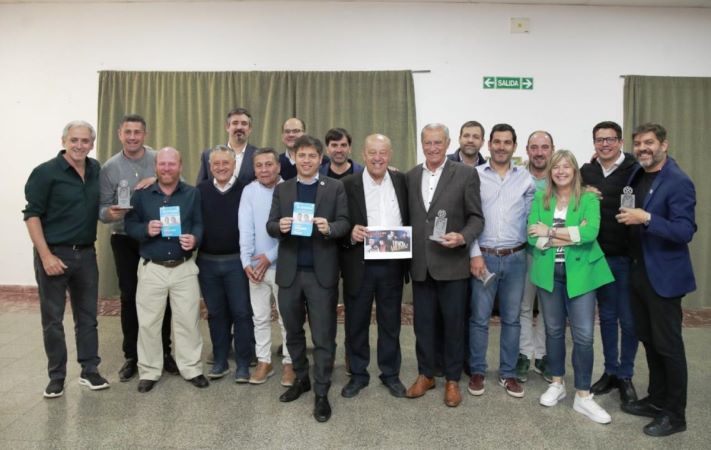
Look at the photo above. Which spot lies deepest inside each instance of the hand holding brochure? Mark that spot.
(303, 223)
(170, 218)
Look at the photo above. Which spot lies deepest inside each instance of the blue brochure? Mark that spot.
(303, 224)
(170, 218)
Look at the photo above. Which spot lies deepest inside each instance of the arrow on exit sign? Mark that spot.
(525, 83)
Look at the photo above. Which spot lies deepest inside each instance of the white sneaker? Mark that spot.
(555, 392)
(588, 407)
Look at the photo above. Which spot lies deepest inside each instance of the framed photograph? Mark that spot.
(388, 243)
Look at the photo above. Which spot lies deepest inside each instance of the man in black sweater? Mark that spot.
(222, 279)
(609, 171)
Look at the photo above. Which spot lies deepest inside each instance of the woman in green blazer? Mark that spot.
(568, 265)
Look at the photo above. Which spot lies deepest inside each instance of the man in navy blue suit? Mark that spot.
(661, 274)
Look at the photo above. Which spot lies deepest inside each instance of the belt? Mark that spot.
(169, 263)
(74, 247)
(502, 251)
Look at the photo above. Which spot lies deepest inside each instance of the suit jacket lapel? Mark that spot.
(320, 190)
(360, 197)
(417, 186)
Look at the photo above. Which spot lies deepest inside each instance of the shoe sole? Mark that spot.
(261, 380)
(476, 393)
(669, 433)
(511, 393)
(53, 395)
(560, 397)
(217, 376)
(87, 383)
(590, 416)
(286, 383)
(242, 380)
(640, 413)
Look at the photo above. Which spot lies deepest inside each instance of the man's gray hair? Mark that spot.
(79, 124)
(435, 127)
(224, 149)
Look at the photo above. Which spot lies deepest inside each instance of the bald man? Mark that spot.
(376, 197)
(166, 220)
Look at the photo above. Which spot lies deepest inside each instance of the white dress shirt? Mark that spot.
(430, 179)
(381, 203)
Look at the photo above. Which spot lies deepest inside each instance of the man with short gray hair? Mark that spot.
(62, 209)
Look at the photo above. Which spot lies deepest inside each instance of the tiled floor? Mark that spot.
(226, 415)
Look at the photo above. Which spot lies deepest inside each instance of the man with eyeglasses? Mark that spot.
(292, 130)
(608, 172)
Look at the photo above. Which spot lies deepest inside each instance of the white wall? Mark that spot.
(50, 55)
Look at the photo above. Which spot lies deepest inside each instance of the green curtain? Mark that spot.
(683, 106)
(186, 110)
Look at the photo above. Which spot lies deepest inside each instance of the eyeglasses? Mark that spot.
(606, 140)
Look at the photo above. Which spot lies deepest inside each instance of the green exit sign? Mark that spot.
(525, 83)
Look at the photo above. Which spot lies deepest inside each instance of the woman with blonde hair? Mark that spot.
(568, 265)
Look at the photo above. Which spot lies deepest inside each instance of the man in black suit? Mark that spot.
(376, 197)
(440, 189)
(307, 269)
(238, 127)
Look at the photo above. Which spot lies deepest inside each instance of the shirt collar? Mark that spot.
(314, 181)
(437, 171)
(367, 179)
(227, 186)
(617, 163)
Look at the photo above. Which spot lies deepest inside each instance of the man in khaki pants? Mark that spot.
(166, 219)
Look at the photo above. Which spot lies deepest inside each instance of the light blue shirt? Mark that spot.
(505, 203)
(254, 209)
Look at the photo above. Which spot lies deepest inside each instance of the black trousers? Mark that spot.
(126, 258)
(382, 282)
(448, 298)
(306, 297)
(658, 326)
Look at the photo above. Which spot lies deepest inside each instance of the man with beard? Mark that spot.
(167, 268)
(532, 343)
(661, 228)
(338, 147)
(238, 127)
(471, 139)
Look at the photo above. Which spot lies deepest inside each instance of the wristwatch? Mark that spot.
(649, 219)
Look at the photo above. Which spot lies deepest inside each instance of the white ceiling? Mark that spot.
(639, 3)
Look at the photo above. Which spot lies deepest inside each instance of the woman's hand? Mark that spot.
(538, 229)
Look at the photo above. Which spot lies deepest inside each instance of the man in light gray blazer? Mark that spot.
(439, 190)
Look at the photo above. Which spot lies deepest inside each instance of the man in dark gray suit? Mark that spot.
(440, 190)
(238, 127)
(307, 269)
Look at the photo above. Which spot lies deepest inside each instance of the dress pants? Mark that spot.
(155, 283)
(260, 295)
(532, 342)
(658, 325)
(304, 296)
(126, 257)
(382, 282)
(81, 277)
(449, 298)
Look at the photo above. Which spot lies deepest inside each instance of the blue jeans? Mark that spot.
(225, 289)
(613, 303)
(580, 311)
(508, 286)
(81, 277)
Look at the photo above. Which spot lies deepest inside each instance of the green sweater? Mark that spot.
(585, 266)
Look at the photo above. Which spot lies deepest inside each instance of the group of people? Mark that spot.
(613, 233)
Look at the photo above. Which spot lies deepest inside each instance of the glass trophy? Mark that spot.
(123, 192)
(440, 226)
(627, 198)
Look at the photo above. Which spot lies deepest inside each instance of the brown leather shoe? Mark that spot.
(287, 375)
(421, 385)
(263, 371)
(452, 396)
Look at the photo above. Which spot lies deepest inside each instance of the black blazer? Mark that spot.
(352, 262)
(330, 204)
(246, 171)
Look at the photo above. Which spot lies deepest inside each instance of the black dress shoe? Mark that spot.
(295, 391)
(146, 385)
(663, 426)
(641, 408)
(605, 384)
(396, 388)
(353, 387)
(322, 409)
(199, 381)
(128, 370)
(627, 392)
(169, 365)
